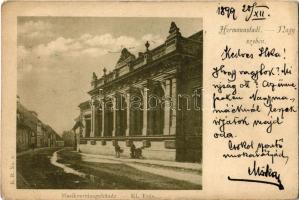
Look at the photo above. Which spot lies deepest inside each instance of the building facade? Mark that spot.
(32, 132)
(152, 101)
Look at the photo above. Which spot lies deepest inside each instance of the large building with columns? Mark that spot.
(152, 100)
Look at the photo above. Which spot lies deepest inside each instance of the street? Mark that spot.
(66, 169)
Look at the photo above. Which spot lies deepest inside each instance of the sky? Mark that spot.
(57, 56)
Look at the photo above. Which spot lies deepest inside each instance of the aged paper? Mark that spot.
(150, 100)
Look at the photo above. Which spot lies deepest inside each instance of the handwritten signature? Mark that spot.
(262, 171)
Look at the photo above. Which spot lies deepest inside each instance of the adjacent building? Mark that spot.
(31, 131)
(152, 100)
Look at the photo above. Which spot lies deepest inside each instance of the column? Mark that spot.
(174, 106)
(77, 139)
(84, 126)
(95, 122)
(167, 108)
(91, 121)
(128, 96)
(144, 128)
(114, 115)
(93, 115)
(103, 118)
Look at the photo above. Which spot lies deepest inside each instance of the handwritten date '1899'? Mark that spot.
(253, 12)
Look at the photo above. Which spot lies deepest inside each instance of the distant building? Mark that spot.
(152, 101)
(59, 143)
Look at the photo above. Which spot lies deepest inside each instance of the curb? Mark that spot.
(168, 164)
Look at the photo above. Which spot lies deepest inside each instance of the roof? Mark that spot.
(29, 119)
(26, 117)
(128, 63)
(84, 105)
(196, 36)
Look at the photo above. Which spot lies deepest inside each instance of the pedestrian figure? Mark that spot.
(117, 150)
(32, 146)
(133, 149)
(138, 153)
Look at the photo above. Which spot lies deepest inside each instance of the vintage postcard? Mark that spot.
(149, 100)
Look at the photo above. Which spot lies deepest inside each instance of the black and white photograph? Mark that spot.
(109, 103)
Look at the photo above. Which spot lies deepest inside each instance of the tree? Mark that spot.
(68, 138)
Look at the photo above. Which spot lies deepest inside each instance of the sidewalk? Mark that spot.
(161, 163)
(30, 151)
(189, 172)
(35, 150)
